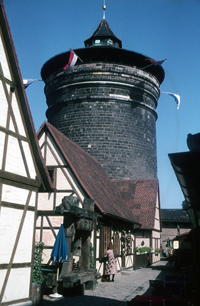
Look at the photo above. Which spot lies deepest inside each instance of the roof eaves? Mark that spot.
(124, 219)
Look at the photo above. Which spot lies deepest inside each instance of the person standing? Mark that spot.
(111, 267)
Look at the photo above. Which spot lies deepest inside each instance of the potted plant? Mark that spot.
(143, 249)
(37, 276)
(157, 251)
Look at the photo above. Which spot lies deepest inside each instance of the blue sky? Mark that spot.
(159, 29)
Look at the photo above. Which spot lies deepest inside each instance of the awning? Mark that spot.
(186, 166)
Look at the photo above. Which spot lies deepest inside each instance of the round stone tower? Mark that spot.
(107, 104)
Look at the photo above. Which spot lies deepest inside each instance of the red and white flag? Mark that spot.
(72, 61)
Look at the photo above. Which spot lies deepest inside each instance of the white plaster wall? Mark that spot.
(157, 216)
(129, 261)
(97, 242)
(2, 139)
(54, 220)
(62, 183)
(18, 285)
(33, 199)
(77, 188)
(70, 183)
(37, 235)
(9, 224)
(153, 243)
(29, 160)
(14, 162)
(50, 160)
(157, 224)
(3, 107)
(42, 139)
(48, 239)
(99, 267)
(42, 151)
(45, 201)
(74, 182)
(155, 257)
(17, 113)
(24, 248)
(139, 241)
(14, 194)
(47, 234)
(3, 60)
(155, 234)
(46, 256)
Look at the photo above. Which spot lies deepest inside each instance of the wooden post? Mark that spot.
(85, 251)
(69, 232)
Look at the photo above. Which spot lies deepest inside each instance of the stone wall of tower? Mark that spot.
(109, 111)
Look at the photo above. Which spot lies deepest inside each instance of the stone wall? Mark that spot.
(109, 111)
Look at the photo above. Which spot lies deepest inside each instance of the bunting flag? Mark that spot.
(176, 97)
(156, 63)
(72, 61)
(28, 82)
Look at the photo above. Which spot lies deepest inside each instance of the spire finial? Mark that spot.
(104, 10)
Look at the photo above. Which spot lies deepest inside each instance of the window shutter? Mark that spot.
(116, 244)
(104, 241)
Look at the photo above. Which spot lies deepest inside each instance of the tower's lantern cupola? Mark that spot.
(103, 36)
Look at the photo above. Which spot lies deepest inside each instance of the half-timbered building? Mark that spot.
(22, 174)
(99, 215)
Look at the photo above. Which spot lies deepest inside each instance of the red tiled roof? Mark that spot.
(174, 215)
(140, 196)
(91, 176)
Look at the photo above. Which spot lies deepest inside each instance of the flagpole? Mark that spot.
(147, 66)
(154, 63)
(104, 10)
(76, 55)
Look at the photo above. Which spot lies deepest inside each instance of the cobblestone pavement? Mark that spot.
(126, 286)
